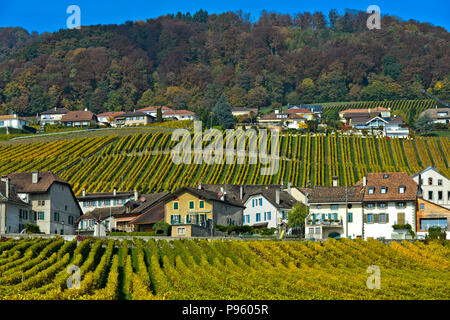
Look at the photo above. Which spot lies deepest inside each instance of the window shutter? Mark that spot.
(365, 218)
(375, 218)
(387, 217)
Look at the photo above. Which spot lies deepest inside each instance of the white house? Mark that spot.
(12, 121)
(14, 213)
(90, 201)
(389, 199)
(152, 111)
(179, 115)
(108, 117)
(434, 186)
(438, 115)
(267, 208)
(334, 212)
(51, 198)
(53, 116)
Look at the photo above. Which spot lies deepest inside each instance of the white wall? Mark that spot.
(266, 206)
(434, 187)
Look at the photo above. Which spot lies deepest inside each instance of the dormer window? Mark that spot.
(383, 190)
(371, 190)
(401, 189)
(385, 176)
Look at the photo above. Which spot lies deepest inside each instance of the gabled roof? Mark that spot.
(155, 108)
(100, 214)
(132, 114)
(204, 194)
(106, 195)
(298, 110)
(433, 113)
(56, 111)
(11, 117)
(366, 110)
(175, 112)
(152, 214)
(321, 194)
(12, 194)
(391, 180)
(110, 114)
(150, 200)
(427, 169)
(78, 115)
(286, 200)
(23, 182)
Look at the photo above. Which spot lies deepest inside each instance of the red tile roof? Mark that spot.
(24, 184)
(179, 112)
(367, 110)
(111, 113)
(73, 116)
(298, 110)
(153, 108)
(391, 180)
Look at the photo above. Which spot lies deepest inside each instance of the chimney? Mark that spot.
(289, 188)
(85, 109)
(7, 186)
(83, 192)
(241, 192)
(114, 191)
(222, 194)
(277, 196)
(136, 195)
(35, 177)
(199, 186)
(364, 181)
(335, 181)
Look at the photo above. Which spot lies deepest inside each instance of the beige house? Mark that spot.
(51, 198)
(137, 118)
(79, 119)
(53, 116)
(14, 213)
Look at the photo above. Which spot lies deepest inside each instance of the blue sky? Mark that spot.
(51, 15)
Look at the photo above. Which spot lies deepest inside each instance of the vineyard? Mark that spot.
(401, 107)
(142, 161)
(201, 269)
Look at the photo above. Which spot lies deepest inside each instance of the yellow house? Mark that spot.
(195, 212)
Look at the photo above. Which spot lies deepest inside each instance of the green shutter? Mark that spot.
(375, 218)
(387, 217)
(365, 218)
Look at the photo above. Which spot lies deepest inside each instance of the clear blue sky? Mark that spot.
(35, 15)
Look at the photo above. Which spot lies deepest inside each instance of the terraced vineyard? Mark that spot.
(200, 269)
(401, 107)
(143, 161)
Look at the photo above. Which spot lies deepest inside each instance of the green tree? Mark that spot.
(222, 111)
(159, 117)
(424, 124)
(297, 215)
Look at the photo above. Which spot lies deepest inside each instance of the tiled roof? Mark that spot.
(150, 200)
(368, 110)
(23, 182)
(178, 112)
(298, 110)
(11, 117)
(12, 193)
(132, 114)
(100, 214)
(106, 195)
(155, 108)
(205, 194)
(56, 111)
(433, 113)
(152, 214)
(320, 194)
(391, 180)
(79, 115)
(111, 113)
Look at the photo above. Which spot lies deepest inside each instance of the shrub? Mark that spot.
(436, 233)
(162, 228)
(132, 234)
(32, 228)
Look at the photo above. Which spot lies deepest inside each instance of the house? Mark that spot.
(267, 208)
(334, 212)
(152, 111)
(278, 120)
(12, 121)
(108, 117)
(14, 212)
(79, 119)
(136, 118)
(314, 109)
(53, 116)
(90, 201)
(195, 212)
(149, 212)
(51, 197)
(438, 115)
(429, 215)
(98, 222)
(433, 186)
(347, 115)
(389, 199)
(179, 115)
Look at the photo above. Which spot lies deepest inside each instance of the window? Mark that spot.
(334, 207)
(422, 206)
(258, 217)
(253, 203)
(265, 216)
(41, 202)
(175, 205)
(181, 231)
(56, 216)
(448, 195)
(371, 190)
(175, 218)
(106, 203)
(350, 217)
(318, 230)
(260, 201)
(382, 205)
(430, 181)
(385, 176)
(383, 190)
(319, 206)
(382, 218)
(41, 215)
(70, 219)
(401, 205)
(430, 195)
(283, 215)
(401, 189)
(201, 204)
(114, 202)
(85, 203)
(401, 218)
(370, 205)
(191, 204)
(439, 195)
(269, 215)
(439, 182)
(311, 230)
(436, 222)
(370, 218)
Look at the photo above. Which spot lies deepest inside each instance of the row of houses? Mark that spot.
(115, 118)
(371, 208)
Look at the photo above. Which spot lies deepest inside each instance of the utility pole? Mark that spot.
(346, 212)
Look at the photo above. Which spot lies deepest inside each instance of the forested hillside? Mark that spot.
(187, 61)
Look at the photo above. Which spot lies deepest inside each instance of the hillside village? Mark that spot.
(385, 205)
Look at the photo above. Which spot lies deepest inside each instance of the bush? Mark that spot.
(267, 231)
(436, 233)
(237, 229)
(404, 227)
(162, 228)
(133, 234)
(32, 228)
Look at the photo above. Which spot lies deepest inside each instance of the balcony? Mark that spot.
(197, 223)
(325, 223)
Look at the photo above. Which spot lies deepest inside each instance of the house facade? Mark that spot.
(433, 186)
(14, 213)
(108, 117)
(179, 115)
(51, 198)
(195, 212)
(438, 115)
(79, 119)
(12, 121)
(429, 215)
(389, 199)
(53, 116)
(152, 111)
(132, 119)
